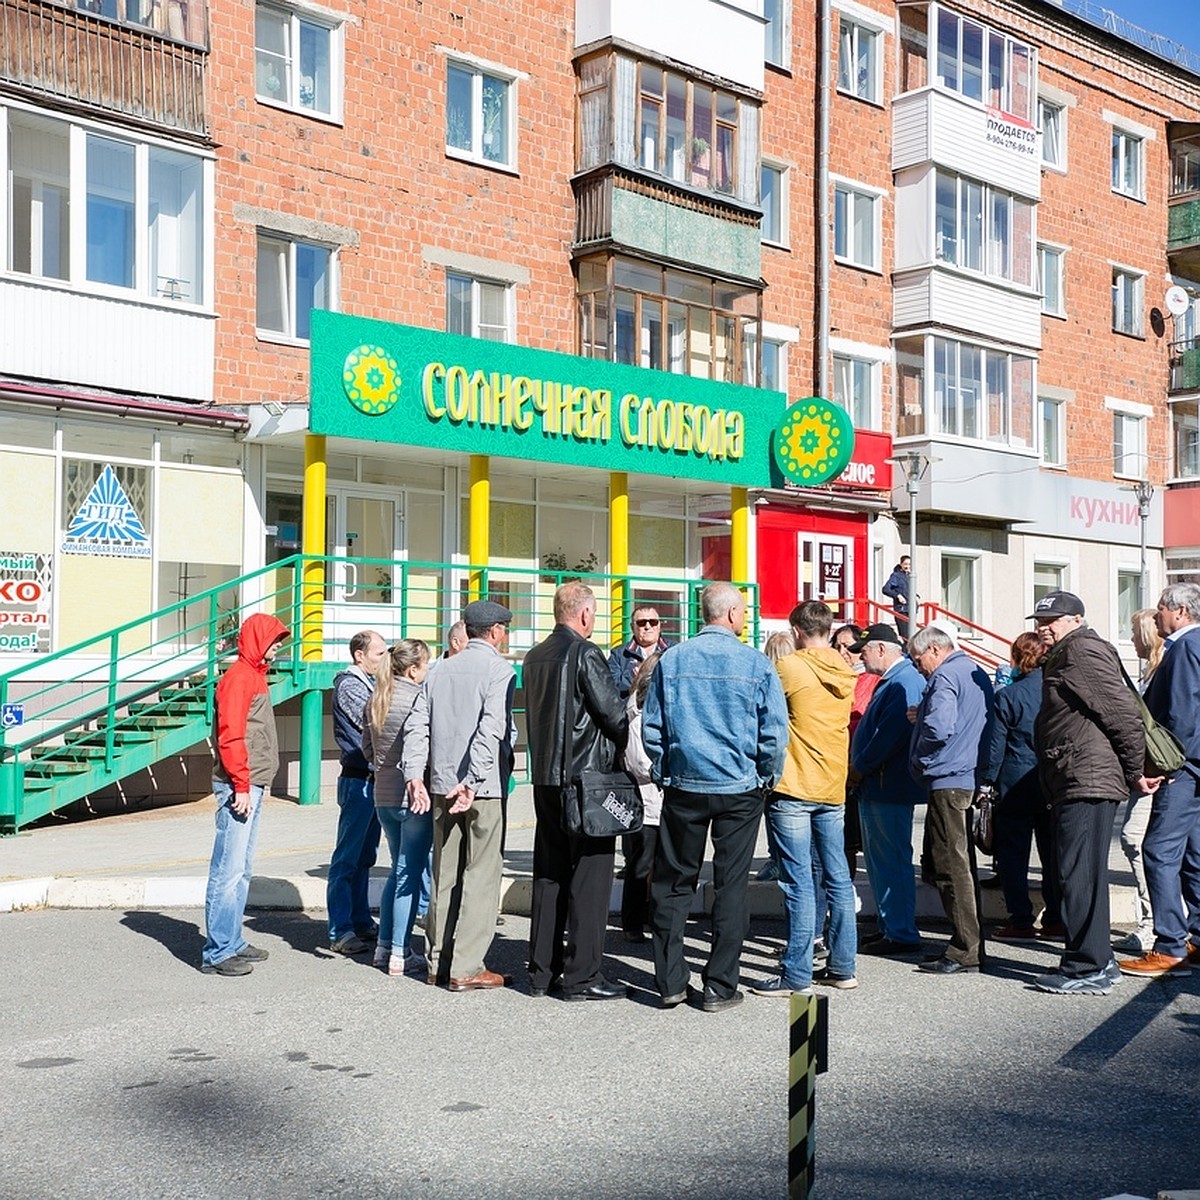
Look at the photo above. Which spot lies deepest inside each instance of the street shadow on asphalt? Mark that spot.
(308, 935)
(182, 938)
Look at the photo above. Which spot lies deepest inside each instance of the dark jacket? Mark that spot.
(1173, 696)
(352, 689)
(1011, 756)
(599, 724)
(624, 660)
(1088, 734)
(897, 589)
(879, 748)
(954, 726)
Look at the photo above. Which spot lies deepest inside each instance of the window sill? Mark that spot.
(1054, 168)
(857, 266)
(861, 99)
(467, 157)
(1056, 316)
(281, 339)
(777, 245)
(1129, 196)
(1053, 466)
(1133, 336)
(1130, 478)
(291, 110)
(779, 68)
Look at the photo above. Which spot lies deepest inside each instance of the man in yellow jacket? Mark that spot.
(806, 812)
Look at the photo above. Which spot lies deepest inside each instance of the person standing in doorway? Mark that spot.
(897, 590)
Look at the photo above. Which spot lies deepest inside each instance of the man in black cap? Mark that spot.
(1091, 752)
(470, 762)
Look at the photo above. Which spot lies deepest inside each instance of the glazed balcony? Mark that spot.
(142, 59)
(1185, 366)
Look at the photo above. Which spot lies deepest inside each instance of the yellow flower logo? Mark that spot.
(814, 442)
(371, 379)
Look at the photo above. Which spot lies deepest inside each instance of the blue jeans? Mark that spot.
(1171, 851)
(888, 853)
(352, 859)
(409, 837)
(229, 874)
(801, 830)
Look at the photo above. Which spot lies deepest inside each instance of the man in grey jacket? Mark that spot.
(470, 762)
(950, 736)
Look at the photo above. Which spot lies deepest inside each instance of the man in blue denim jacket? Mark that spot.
(715, 729)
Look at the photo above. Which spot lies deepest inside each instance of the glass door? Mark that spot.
(364, 533)
(826, 568)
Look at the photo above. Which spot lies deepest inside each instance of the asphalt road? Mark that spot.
(124, 1072)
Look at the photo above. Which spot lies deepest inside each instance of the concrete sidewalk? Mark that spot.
(159, 859)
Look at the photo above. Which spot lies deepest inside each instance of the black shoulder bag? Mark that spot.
(596, 804)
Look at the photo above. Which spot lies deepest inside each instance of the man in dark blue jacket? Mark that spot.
(896, 589)
(647, 639)
(887, 793)
(1172, 845)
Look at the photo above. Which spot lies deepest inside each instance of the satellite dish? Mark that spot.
(1178, 301)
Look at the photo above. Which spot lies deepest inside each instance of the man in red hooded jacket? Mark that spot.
(247, 753)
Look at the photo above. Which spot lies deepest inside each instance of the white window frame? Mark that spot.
(477, 69)
(871, 357)
(289, 336)
(1053, 304)
(1056, 455)
(477, 282)
(974, 558)
(1132, 571)
(783, 173)
(1184, 418)
(874, 197)
(782, 23)
(1061, 565)
(858, 30)
(1128, 301)
(334, 25)
(989, 197)
(781, 337)
(1130, 421)
(1122, 141)
(1047, 104)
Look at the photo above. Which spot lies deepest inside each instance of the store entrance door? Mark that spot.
(826, 567)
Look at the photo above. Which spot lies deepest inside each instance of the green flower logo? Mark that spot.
(814, 442)
(371, 379)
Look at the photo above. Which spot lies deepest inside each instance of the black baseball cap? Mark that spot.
(876, 633)
(1057, 604)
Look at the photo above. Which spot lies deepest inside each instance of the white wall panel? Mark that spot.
(946, 298)
(106, 341)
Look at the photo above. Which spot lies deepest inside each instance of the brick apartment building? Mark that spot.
(960, 221)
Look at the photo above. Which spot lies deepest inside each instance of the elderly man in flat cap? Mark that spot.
(470, 762)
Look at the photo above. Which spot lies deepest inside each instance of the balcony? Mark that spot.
(1183, 235)
(1185, 366)
(135, 58)
(967, 303)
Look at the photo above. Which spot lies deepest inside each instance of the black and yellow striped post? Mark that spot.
(809, 1058)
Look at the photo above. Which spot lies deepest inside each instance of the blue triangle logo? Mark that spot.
(106, 521)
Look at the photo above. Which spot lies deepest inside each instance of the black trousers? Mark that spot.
(687, 818)
(1082, 835)
(1021, 817)
(639, 862)
(572, 885)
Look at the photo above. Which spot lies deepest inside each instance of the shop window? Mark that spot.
(1050, 278)
(478, 308)
(959, 584)
(1053, 414)
(480, 114)
(106, 505)
(1185, 429)
(1128, 172)
(856, 226)
(778, 33)
(772, 198)
(980, 228)
(297, 60)
(1048, 577)
(1127, 292)
(294, 277)
(191, 624)
(1129, 445)
(856, 389)
(859, 70)
(1052, 124)
(983, 65)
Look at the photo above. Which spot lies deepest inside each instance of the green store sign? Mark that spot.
(418, 387)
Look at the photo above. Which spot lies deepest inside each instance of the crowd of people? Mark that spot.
(832, 735)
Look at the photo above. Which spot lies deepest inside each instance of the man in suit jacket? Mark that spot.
(1172, 846)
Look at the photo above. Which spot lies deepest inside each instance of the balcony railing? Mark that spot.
(151, 69)
(1185, 365)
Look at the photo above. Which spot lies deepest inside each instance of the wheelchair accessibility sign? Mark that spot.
(12, 715)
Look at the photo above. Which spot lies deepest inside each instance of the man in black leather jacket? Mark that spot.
(572, 876)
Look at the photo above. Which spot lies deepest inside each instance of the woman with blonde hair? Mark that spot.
(396, 744)
(1148, 646)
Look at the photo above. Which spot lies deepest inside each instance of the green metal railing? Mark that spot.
(126, 698)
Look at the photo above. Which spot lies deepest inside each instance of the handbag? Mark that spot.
(983, 822)
(596, 804)
(1165, 754)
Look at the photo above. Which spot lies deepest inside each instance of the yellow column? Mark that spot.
(312, 587)
(739, 545)
(618, 552)
(478, 515)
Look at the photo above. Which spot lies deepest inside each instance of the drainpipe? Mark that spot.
(823, 217)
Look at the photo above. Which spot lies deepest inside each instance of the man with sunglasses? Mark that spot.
(647, 639)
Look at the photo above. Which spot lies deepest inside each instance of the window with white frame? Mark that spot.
(859, 71)
(856, 226)
(1127, 292)
(145, 220)
(772, 198)
(480, 114)
(1129, 445)
(982, 394)
(778, 16)
(1185, 167)
(1128, 172)
(983, 64)
(774, 365)
(1052, 414)
(479, 308)
(294, 277)
(980, 228)
(297, 60)
(1129, 600)
(1050, 278)
(1052, 124)
(1048, 577)
(856, 388)
(959, 584)
(1185, 430)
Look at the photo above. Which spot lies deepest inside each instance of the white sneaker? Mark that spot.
(408, 964)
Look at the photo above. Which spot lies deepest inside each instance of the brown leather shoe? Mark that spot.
(1155, 965)
(472, 983)
(1194, 954)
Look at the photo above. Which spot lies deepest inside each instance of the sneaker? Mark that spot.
(1132, 943)
(768, 873)
(1098, 984)
(382, 953)
(228, 966)
(253, 953)
(820, 950)
(832, 979)
(350, 943)
(1113, 971)
(1015, 933)
(416, 964)
(778, 986)
(1154, 965)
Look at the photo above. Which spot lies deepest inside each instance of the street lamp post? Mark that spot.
(1143, 490)
(915, 464)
